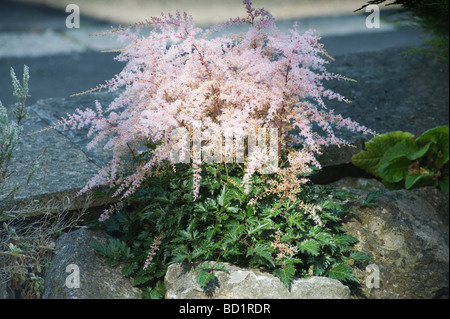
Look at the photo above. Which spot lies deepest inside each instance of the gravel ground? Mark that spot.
(393, 91)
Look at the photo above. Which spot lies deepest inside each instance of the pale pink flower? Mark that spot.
(180, 74)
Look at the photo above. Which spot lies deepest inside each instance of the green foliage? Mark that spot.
(221, 226)
(11, 132)
(115, 250)
(21, 93)
(400, 160)
(206, 273)
(23, 255)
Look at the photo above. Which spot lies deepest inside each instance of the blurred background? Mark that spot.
(65, 61)
(204, 11)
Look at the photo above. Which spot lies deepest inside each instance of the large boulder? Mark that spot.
(74, 256)
(407, 234)
(244, 283)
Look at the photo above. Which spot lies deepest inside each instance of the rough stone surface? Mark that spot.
(64, 167)
(97, 280)
(4, 294)
(407, 234)
(54, 109)
(243, 283)
(360, 185)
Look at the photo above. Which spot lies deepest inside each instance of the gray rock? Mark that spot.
(4, 294)
(244, 283)
(96, 280)
(360, 185)
(407, 234)
(63, 170)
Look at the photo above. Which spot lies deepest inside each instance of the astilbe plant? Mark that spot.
(184, 77)
(181, 75)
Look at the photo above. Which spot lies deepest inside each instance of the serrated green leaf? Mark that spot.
(203, 278)
(158, 291)
(264, 251)
(360, 256)
(342, 272)
(128, 269)
(324, 238)
(309, 246)
(285, 274)
(220, 267)
(344, 239)
(203, 267)
(139, 280)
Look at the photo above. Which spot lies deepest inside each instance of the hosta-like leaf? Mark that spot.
(370, 158)
(440, 136)
(443, 184)
(419, 180)
(407, 148)
(395, 170)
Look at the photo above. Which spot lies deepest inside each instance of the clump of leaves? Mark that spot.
(206, 273)
(301, 237)
(402, 161)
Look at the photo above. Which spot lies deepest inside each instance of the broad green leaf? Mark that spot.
(407, 148)
(418, 180)
(370, 158)
(440, 136)
(395, 170)
(443, 184)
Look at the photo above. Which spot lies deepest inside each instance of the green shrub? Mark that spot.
(11, 131)
(402, 161)
(161, 224)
